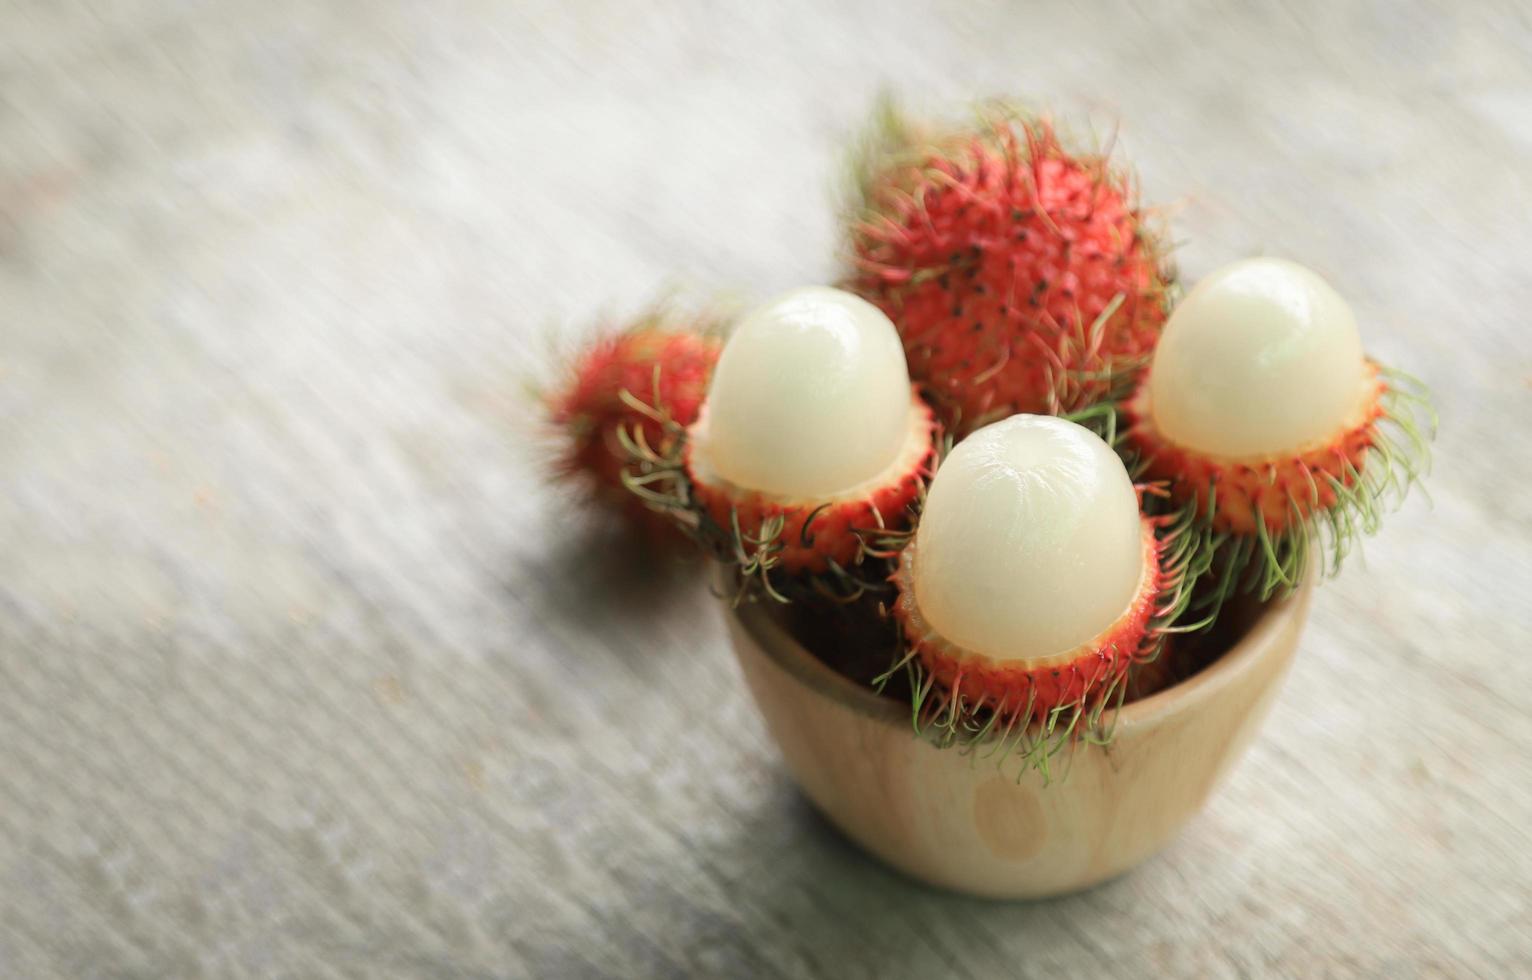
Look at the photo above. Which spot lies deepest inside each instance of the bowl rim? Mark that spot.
(771, 637)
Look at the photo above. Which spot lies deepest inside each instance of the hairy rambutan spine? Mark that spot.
(1268, 518)
(1021, 277)
(783, 551)
(665, 357)
(829, 535)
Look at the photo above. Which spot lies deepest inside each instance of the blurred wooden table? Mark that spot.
(303, 672)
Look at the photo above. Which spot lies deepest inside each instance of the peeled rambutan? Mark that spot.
(664, 361)
(811, 441)
(1021, 276)
(1033, 583)
(1261, 410)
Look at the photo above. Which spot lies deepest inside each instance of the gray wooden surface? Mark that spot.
(303, 672)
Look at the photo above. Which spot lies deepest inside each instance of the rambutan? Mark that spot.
(1032, 584)
(1261, 411)
(811, 443)
(1021, 276)
(664, 360)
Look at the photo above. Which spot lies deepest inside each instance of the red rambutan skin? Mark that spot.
(1284, 490)
(1077, 677)
(590, 412)
(995, 258)
(832, 525)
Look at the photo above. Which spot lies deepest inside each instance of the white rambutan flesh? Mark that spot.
(1261, 358)
(810, 397)
(1030, 542)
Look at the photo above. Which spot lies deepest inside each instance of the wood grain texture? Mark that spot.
(304, 672)
(968, 822)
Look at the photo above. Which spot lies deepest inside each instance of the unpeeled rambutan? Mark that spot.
(1021, 276)
(662, 360)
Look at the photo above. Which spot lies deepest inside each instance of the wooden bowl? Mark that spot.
(957, 821)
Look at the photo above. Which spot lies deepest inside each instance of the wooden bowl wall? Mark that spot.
(956, 821)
